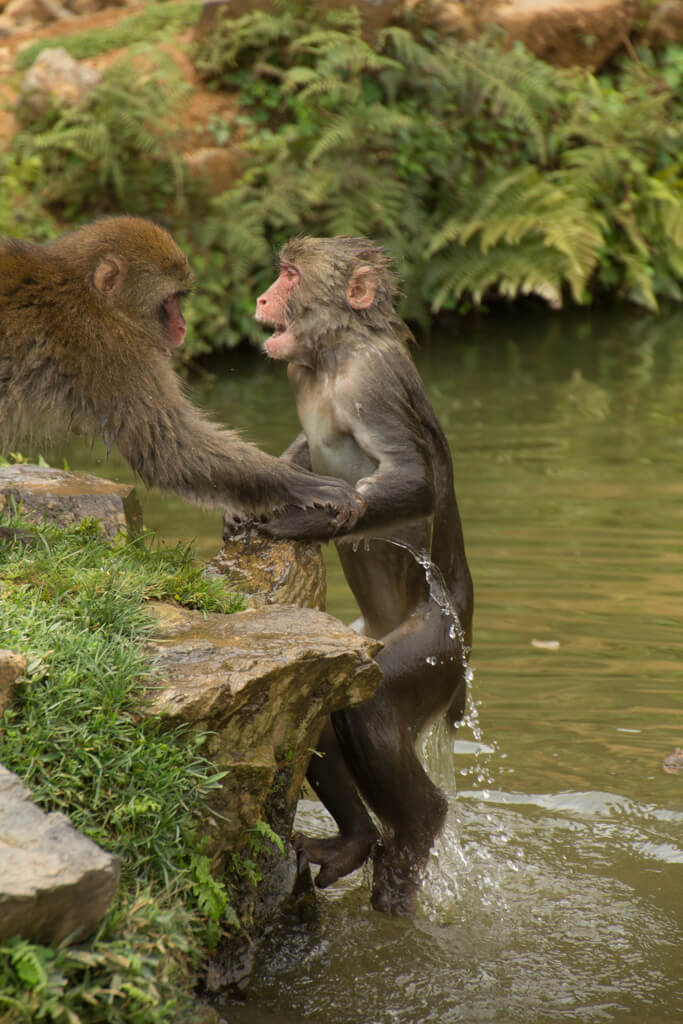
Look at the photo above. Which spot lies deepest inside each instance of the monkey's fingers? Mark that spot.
(237, 527)
(348, 515)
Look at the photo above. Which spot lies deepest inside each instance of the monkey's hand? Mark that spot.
(318, 522)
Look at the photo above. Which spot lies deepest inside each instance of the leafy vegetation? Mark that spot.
(487, 173)
(484, 172)
(119, 149)
(75, 607)
(157, 22)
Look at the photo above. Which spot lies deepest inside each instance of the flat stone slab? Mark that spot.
(55, 495)
(54, 882)
(261, 684)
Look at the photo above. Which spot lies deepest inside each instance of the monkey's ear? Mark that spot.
(362, 288)
(108, 276)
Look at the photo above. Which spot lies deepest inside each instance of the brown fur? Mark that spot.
(85, 341)
(366, 418)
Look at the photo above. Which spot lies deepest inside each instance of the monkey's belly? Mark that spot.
(340, 456)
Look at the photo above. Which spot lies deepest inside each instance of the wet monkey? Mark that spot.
(87, 325)
(366, 419)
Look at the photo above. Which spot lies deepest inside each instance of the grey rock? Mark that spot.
(55, 884)
(56, 76)
(260, 683)
(54, 495)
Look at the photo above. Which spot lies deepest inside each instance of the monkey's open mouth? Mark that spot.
(277, 329)
(173, 321)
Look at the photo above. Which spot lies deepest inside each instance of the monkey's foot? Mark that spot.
(338, 855)
(396, 879)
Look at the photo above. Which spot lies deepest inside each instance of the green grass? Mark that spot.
(152, 25)
(75, 607)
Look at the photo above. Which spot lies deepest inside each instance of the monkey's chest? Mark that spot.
(334, 451)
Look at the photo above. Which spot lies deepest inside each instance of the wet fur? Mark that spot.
(367, 419)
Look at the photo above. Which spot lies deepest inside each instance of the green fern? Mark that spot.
(523, 210)
(119, 148)
(486, 172)
(510, 271)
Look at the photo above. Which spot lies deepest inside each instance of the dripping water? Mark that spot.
(438, 746)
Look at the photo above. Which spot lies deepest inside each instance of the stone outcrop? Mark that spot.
(563, 32)
(567, 32)
(55, 884)
(260, 683)
(24, 15)
(12, 667)
(56, 77)
(665, 23)
(53, 495)
(375, 14)
(272, 572)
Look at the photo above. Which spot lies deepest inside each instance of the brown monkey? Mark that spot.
(87, 325)
(367, 420)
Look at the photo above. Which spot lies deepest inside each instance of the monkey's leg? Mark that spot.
(331, 780)
(379, 749)
(378, 741)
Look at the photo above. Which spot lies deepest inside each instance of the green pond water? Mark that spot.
(556, 891)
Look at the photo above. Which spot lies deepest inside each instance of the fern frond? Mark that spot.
(528, 270)
(298, 78)
(639, 281)
(337, 52)
(508, 84)
(411, 54)
(320, 85)
(372, 121)
(524, 211)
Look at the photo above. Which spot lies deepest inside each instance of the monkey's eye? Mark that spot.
(290, 272)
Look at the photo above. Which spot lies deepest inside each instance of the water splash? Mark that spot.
(478, 771)
(438, 592)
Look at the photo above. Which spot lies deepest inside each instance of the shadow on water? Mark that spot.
(556, 890)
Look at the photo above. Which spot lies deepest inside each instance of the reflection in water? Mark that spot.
(555, 892)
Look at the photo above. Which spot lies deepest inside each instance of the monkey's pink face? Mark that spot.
(271, 309)
(173, 321)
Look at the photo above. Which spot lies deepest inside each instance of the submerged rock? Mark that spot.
(673, 763)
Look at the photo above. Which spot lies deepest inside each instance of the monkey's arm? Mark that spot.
(174, 446)
(298, 453)
(401, 488)
(384, 435)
